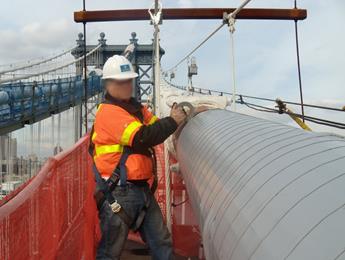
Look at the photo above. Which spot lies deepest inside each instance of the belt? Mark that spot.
(140, 183)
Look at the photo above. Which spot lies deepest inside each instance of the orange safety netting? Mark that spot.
(54, 215)
(184, 229)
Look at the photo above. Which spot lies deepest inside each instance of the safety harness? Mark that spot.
(106, 187)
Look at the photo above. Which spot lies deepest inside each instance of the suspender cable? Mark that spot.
(231, 19)
(155, 19)
(299, 64)
(232, 30)
(157, 63)
(85, 78)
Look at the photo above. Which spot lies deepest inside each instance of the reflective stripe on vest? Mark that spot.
(153, 119)
(98, 107)
(93, 135)
(127, 133)
(112, 148)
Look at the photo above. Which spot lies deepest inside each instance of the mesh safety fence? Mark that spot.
(54, 215)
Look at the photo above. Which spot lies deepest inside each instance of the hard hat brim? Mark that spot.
(131, 75)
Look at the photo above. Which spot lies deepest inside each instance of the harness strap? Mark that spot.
(140, 218)
(155, 177)
(106, 187)
(120, 173)
(122, 165)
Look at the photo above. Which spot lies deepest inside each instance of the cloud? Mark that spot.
(265, 50)
(36, 40)
(185, 3)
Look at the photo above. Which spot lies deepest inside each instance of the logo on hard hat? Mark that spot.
(125, 68)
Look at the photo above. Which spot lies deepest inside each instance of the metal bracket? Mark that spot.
(115, 206)
(230, 20)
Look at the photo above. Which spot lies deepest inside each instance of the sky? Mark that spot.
(265, 51)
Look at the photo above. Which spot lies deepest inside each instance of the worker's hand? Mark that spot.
(177, 114)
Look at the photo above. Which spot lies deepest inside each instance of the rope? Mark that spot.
(50, 70)
(298, 64)
(231, 19)
(36, 63)
(272, 110)
(307, 118)
(209, 91)
(179, 203)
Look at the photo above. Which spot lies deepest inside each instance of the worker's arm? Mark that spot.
(139, 135)
(149, 117)
(156, 133)
(159, 130)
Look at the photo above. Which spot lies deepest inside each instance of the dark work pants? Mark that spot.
(114, 231)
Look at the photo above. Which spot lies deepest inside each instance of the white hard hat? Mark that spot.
(118, 67)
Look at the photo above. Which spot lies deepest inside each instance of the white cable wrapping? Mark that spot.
(169, 95)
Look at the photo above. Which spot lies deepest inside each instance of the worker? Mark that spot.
(122, 140)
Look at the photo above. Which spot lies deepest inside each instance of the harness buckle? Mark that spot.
(112, 181)
(115, 206)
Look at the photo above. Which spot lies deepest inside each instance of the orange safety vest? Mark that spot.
(113, 129)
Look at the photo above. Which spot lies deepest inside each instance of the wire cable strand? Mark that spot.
(307, 118)
(50, 70)
(272, 110)
(197, 47)
(37, 63)
(209, 91)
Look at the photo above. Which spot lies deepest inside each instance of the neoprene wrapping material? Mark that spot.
(264, 190)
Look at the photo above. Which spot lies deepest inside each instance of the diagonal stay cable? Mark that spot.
(36, 63)
(262, 98)
(197, 47)
(50, 70)
(233, 15)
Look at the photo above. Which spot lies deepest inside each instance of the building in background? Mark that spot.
(8, 155)
(15, 170)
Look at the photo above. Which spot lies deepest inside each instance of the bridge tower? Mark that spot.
(141, 58)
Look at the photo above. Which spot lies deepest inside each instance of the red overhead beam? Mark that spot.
(189, 13)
